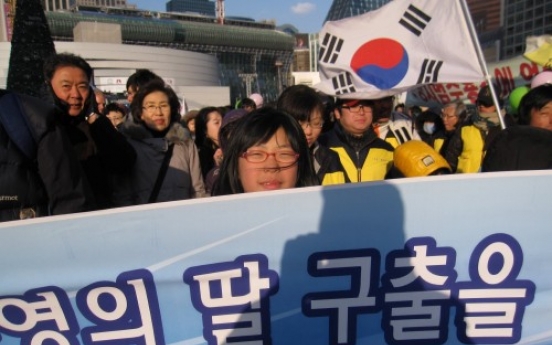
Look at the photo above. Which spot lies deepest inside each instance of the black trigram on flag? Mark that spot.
(343, 84)
(429, 72)
(414, 20)
(330, 49)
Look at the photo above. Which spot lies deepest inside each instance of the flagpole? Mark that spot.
(481, 58)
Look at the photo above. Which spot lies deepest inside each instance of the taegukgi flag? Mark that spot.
(403, 44)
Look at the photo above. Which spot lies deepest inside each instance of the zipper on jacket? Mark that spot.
(359, 169)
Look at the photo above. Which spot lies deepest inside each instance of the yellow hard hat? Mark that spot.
(416, 158)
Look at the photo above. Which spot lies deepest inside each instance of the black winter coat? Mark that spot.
(48, 182)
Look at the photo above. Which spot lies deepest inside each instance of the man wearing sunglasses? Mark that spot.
(363, 155)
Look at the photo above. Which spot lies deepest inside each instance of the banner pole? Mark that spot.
(481, 58)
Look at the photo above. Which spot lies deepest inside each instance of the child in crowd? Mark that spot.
(306, 106)
(116, 113)
(267, 151)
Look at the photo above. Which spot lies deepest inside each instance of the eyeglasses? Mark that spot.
(446, 117)
(259, 156)
(153, 108)
(317, 124)
(355, 108)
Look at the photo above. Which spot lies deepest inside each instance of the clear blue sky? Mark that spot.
(306, 15)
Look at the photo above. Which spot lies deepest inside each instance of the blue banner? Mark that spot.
(441, 260)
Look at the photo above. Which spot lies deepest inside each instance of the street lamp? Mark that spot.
(279, 65)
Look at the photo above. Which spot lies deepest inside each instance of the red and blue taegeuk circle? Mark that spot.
(382, 62)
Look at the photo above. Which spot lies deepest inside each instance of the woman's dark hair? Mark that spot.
(155, 85)
(55, 61)
(536, 99)
(201, 125)
(257, 128)
(300, 101)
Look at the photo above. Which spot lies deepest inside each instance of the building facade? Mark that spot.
(57, 5)
(524, 18)
(348, 8)
(503, 26)
(251, 55)
(205, 7)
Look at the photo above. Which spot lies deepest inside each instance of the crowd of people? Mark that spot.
(71, 151)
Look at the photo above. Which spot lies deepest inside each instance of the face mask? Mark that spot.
(429, 127)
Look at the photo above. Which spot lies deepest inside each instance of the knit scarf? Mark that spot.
(484, 121)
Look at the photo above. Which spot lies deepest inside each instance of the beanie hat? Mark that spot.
(415, 158)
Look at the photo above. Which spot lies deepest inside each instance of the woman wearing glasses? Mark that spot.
(267, 151)
(167, 166)
(306, 106)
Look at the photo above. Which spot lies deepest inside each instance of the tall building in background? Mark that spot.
(205, 7)
(504, 25)
(56, 5)
(524, 18)
(486, 17)
(348, 8)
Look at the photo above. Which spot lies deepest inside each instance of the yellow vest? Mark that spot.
(375, 166)
(336, 177)
(393, 141)
(472, 154)
(438, 143)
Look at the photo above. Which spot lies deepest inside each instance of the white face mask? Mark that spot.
(429, 127)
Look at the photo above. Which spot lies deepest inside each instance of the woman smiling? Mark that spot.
(167, 166)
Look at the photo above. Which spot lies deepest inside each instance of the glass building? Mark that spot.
(503, 26)
(205, 7)
(250, 54)
(55, 5)
(524, 18)
(348, 8)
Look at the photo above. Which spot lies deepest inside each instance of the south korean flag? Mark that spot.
(400, 46)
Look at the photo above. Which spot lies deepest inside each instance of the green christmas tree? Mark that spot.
(31, 45)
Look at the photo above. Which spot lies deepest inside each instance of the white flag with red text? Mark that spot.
(400, 46)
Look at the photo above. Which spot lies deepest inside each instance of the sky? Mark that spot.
(307, 16)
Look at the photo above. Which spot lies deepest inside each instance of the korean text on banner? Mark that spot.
(404, 44)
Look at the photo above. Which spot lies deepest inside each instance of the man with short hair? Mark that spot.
(138, 79)
(100, 148)
(363, 155)
(40, 175)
